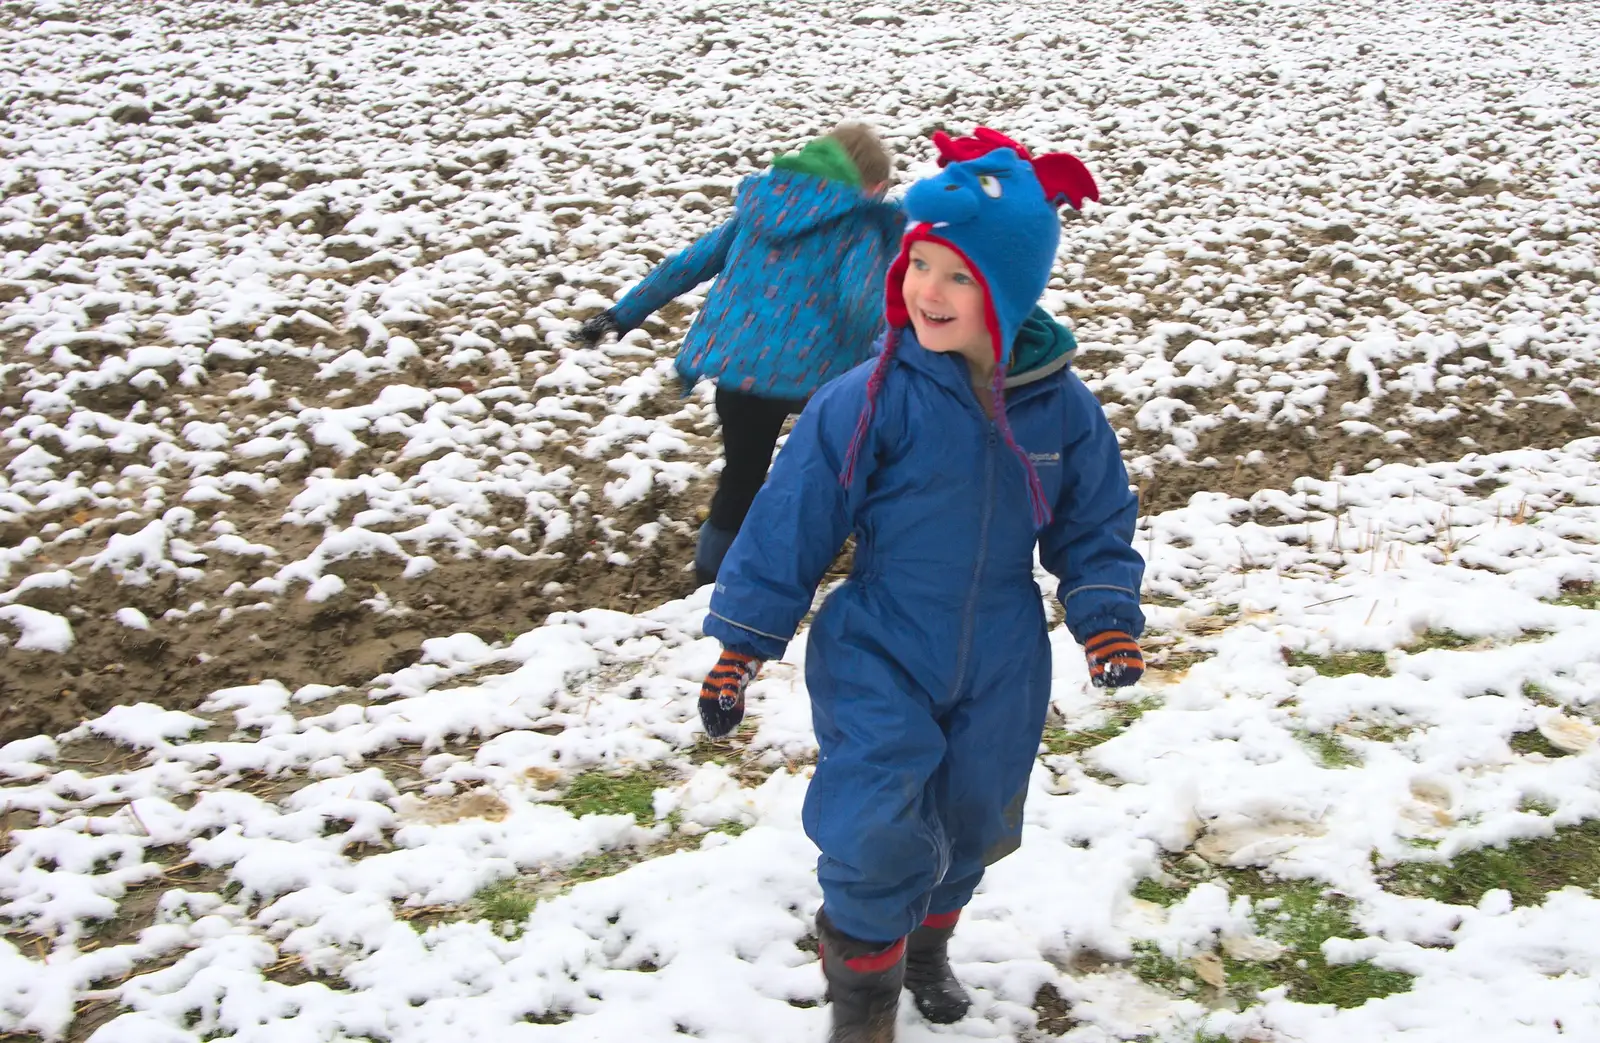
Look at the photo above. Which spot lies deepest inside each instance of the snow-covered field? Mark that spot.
(369, 591)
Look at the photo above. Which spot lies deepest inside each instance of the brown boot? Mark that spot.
(939, 996)
(864, 982)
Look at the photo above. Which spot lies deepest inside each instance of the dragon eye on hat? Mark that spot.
(990, 185)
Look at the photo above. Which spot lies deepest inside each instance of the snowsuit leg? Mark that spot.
(911, 798)
(868, 807)
(991, 742)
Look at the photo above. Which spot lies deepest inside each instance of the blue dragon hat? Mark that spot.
(995, 205)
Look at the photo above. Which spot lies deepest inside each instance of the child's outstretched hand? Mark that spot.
(1114, 659)
(722, 696)
(594, 329)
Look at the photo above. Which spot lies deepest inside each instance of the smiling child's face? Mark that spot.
(947, 305)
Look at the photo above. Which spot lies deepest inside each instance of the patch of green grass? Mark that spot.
(600, 793)
(1343, 985)
(1579, 595)
(1248, 980)
(1446, 639)
(1381, 731)
(1151, 891)
(504, 901)
(510, 901)
(1298, 916)
(1535, 806)
(1301, 919)
(1340, 664)
(1529, 869)
(1330, 749)
(1537, 694)
(596, 867)
(1534, 742)
(610, 863)
(1122, 715)
(1154, 967)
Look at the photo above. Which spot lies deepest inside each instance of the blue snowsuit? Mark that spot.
(929, 668)
(799, 293)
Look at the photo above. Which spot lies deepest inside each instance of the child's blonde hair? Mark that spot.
(860, 142)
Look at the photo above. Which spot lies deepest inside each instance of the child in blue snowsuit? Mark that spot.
(796, 303)
(965, 445)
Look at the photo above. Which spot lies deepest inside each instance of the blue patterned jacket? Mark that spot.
(799, 293)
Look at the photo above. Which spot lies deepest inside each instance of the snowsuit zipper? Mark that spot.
(970, 613)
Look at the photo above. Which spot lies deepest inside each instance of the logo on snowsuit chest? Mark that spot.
(1044, 459)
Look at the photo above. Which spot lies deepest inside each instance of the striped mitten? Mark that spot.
(722, 696)
(1114, 659)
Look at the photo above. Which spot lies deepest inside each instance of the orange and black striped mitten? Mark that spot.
(1114, 659)
(722, 696)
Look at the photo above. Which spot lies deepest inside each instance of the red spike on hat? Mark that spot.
(982, 142)
(1062, 175)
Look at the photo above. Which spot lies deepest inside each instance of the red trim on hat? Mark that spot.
(894, 304)
(895, 311)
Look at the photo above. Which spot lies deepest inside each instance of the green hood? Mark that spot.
(824, 158)
(1042, 347)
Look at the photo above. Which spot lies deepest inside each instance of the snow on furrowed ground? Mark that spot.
(283, 286)
(296, 467)
(354, 872)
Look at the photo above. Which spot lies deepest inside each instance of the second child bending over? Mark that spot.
(797, 302)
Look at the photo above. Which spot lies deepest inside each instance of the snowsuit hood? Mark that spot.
(823, 157)
(785, 204)
(1042, 347)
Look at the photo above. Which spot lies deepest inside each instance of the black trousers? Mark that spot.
(750, 428)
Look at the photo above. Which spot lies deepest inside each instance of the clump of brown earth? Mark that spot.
(1292, 452)
(176, 663)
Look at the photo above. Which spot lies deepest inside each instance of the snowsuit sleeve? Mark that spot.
(678, 274)
(797, 524)
(1088, 544)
